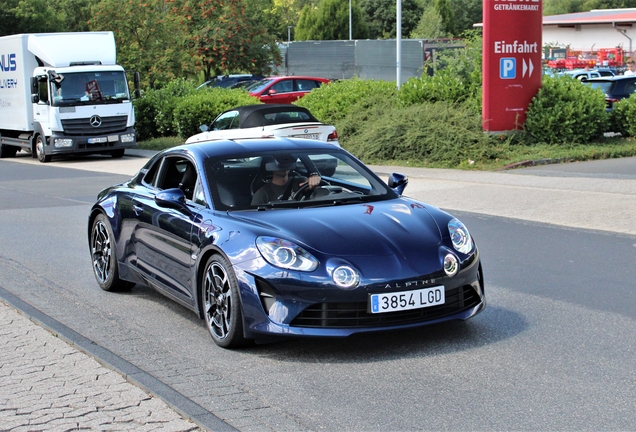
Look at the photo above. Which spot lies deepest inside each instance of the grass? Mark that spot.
(508, 154)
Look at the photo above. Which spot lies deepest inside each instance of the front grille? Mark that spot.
(353, 315)
(83, 126)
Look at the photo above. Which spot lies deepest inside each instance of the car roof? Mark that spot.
(253, 115)
(218, 148)
(614, 78)
(298, 77)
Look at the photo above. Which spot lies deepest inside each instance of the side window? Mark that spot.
(179, 173)
(151, 175)
(284, 86)
(630, 88)
(43, 91)
(229, 120)
(305, 85)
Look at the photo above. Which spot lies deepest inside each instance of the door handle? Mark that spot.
(138, 209)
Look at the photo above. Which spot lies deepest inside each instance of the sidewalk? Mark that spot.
(48, 384)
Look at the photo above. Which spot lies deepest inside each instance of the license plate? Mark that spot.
(308, 136)
(97, 140)
(405, 300)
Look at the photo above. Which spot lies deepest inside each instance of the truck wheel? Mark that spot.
(116, 154)
(39, 150)
(7, 151)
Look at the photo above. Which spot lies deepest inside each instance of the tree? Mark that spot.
(42, 16)
(330, 21)
(288, 14)
(228, 37)
(150, 37)
(445, 11)
(465, 14)
(430, 25)
(381, 17)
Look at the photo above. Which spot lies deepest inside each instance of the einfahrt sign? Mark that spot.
(512, 61)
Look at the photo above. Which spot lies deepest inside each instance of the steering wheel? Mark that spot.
(304, 192)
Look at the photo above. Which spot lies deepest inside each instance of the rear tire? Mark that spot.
(104, 256)
(221, 303)
(7, 151)
(39, 150)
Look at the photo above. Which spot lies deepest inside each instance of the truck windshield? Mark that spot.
(90, 88)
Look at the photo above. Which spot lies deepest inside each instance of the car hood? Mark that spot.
(396, 227)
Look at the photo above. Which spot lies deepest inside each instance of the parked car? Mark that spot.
(615, 88)
(352, 255)
(284, 89)
(229, 81)
(266, 120)
(586, 74)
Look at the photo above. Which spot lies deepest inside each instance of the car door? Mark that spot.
(161, 239)
(281, 91)
(304, 86)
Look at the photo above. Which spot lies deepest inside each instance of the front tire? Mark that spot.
(221, 303)
(7, 151)
(117, 154)
(39, 150)
(104, 256)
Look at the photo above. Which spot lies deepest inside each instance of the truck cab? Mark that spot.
(66, 101)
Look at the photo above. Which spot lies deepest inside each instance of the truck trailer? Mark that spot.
(64, 93)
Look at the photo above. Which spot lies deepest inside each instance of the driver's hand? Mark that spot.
(312, 181)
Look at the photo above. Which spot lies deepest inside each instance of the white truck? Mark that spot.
(63, 93)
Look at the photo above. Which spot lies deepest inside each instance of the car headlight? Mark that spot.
(462, 242)
(285, 254)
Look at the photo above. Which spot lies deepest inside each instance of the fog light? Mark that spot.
(451, 265)
(127, 138)
(63, 142)
(346, 277)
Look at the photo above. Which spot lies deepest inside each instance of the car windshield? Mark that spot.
(90, 88)
(605, 86)
(235, 183)
(258, 85)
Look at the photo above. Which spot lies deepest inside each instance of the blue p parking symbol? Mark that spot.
(507, 68)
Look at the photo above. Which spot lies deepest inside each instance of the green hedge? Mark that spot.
(622, 117)
(335, 101)
(441, 133)
(566, 111)
(154, 111)
(202, 106)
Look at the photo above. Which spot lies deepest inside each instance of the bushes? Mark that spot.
(154, 111)
(335, 101)
(439, 133)
(622, 117)
(566, 111)
(179, 109)
(204, 105)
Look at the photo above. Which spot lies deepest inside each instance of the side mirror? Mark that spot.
(137, 83)
(398, 182)
(204, 128)
(173, 198)
(271, 92)
(35, 97)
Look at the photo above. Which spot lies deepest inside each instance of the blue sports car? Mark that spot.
(266, 238)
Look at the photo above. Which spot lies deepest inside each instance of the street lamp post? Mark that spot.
(287, 50)
(350, 27)
(398, 39)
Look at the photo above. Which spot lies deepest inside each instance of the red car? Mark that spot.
(284, 89)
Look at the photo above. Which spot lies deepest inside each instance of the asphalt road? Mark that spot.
(554, 349)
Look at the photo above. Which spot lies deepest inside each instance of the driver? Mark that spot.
(281, 186)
